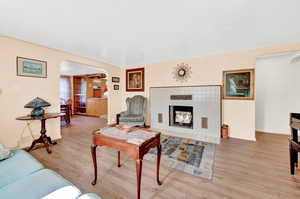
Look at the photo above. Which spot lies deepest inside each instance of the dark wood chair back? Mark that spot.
(67, 109)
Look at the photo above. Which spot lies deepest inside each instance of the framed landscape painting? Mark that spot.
(135, 80)
(31, 67)
(238, 84)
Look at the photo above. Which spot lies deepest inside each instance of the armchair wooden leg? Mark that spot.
(118, 119)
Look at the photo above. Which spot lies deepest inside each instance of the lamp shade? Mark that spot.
(37, 103)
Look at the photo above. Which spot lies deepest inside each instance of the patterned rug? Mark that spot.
(187, 155)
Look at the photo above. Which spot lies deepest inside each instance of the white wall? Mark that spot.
(277, 92)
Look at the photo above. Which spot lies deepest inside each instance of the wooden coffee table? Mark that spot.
(136, 151)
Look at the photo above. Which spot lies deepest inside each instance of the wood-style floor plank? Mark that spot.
(243, 169)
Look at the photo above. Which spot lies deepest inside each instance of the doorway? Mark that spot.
(277, 86)
(84, 89)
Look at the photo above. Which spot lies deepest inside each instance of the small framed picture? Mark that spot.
(116, 87)
(115, 79)
(31, 67)
(238, 84)
(135, 79)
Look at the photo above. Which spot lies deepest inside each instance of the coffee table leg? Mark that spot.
(158, 164)
(139, 165)
(93, 152)
(119, 157)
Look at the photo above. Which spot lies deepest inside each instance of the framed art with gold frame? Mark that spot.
(238, 84)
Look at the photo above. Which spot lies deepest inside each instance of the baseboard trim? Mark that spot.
(272, 133)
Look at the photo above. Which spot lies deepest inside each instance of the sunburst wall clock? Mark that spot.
(182, 72)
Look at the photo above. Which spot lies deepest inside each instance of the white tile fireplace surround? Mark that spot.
(190, 112)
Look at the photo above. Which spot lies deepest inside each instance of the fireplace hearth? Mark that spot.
(181, 116)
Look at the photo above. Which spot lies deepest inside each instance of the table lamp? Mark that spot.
(37, 104)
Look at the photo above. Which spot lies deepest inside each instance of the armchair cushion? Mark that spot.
(132, 118)
(135, 113)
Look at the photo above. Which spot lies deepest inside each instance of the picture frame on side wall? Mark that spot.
(28, 67)
(238, 84)
(135, 81)
(116, 87)
(115, 79)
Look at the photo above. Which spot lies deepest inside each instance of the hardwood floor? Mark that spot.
(243, 169)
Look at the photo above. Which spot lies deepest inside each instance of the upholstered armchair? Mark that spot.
(135, 113)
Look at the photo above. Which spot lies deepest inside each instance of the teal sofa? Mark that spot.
(22, 176)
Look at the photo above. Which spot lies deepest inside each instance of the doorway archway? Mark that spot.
(84, 88)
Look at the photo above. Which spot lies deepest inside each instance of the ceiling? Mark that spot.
(71, 68)
(136, 32)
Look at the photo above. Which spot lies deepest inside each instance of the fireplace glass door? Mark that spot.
(181, 116)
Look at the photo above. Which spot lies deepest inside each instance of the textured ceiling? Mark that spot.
(135, 32)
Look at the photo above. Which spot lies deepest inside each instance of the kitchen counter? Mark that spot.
(96, 106)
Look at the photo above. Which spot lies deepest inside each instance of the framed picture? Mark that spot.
(115, 79)
(135, 80)
(116, 87)
(238, 84)
(31, 67)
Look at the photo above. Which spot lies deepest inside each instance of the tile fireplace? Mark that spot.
(191, 112)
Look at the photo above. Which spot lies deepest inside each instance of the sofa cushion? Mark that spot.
(89, 196)
(21, 164)
(36, 186)
(67, 192)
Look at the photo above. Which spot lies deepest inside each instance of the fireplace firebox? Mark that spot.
(181, 116)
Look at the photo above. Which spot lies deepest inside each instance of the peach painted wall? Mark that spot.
(16, 91)
(238, 114)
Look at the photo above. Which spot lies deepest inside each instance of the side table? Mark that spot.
(43, 139)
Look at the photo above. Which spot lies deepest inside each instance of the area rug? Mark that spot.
(186, 155)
